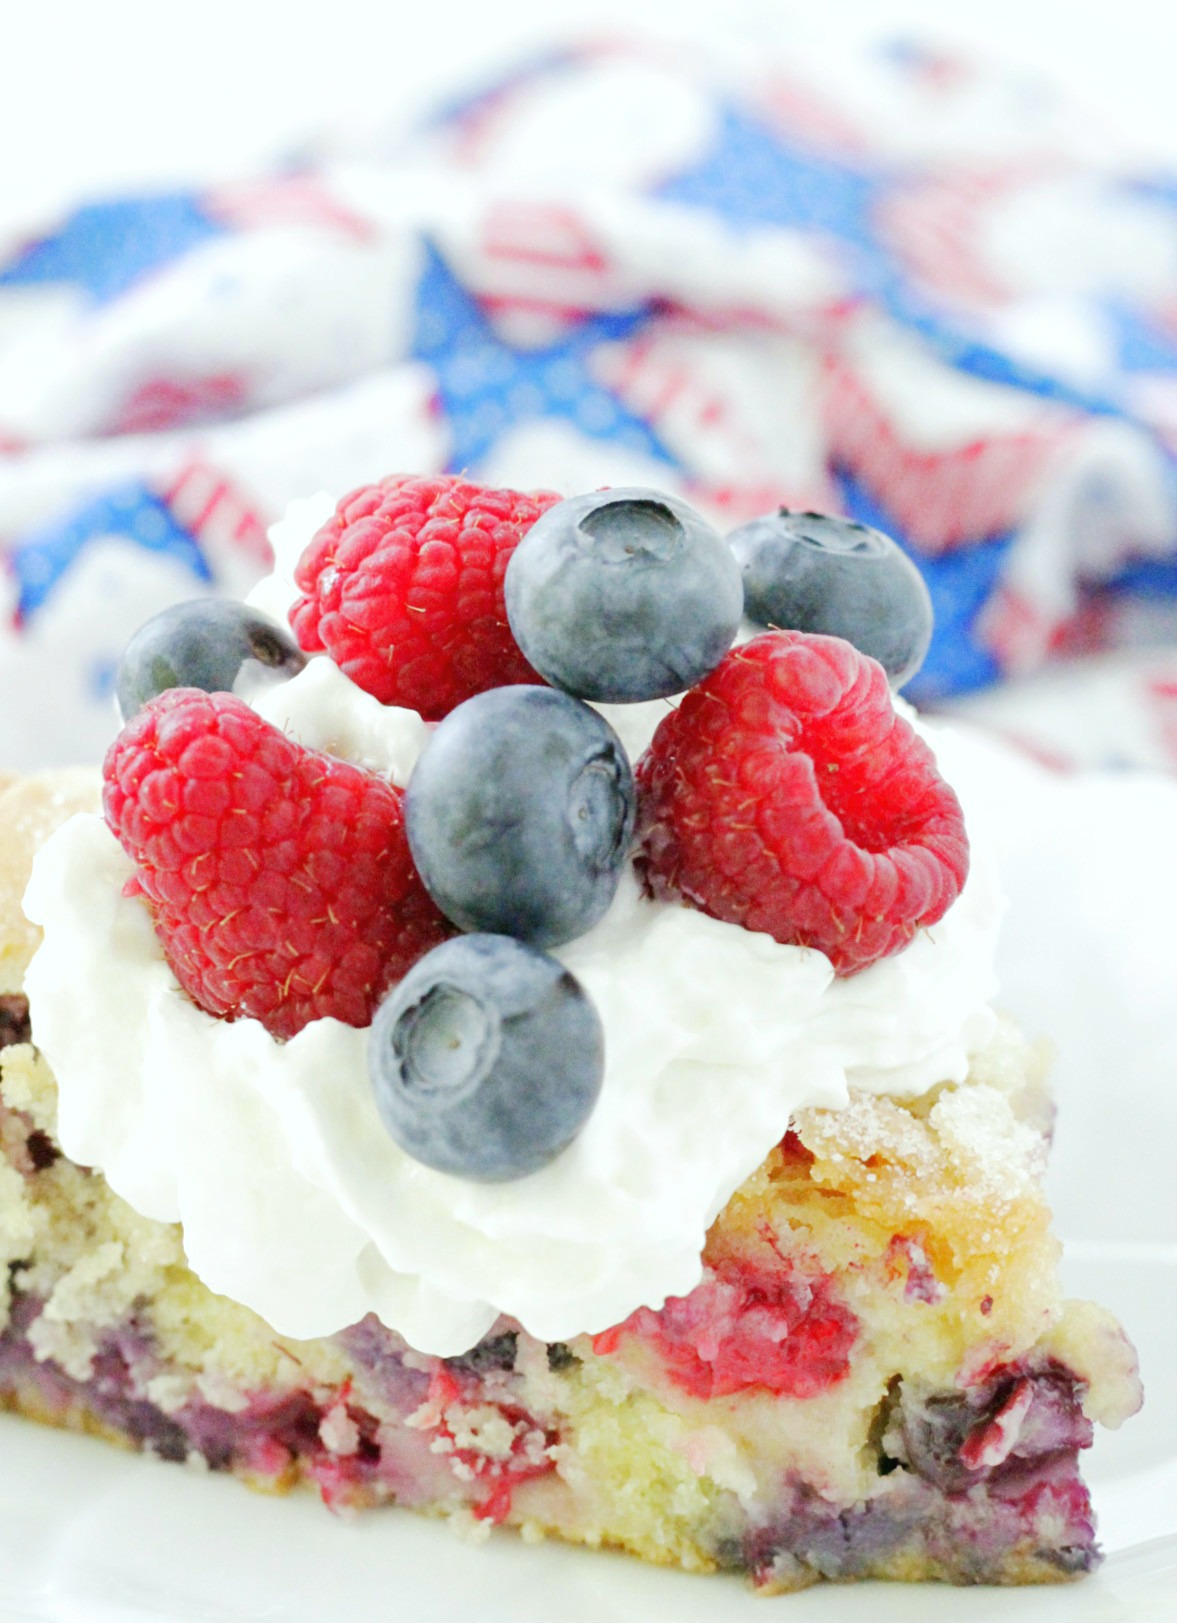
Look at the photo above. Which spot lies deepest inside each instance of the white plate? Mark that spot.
(89, 1535)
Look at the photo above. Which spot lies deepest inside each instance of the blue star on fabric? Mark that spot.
(106, 247)
(132, 511)
(751, 177)
(487, 387)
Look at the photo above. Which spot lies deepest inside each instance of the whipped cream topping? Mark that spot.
(295, 1201)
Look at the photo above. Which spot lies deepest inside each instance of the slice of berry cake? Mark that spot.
(454, 1262)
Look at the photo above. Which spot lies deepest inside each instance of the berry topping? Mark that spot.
(403, 587)
(786, 795)
(206, 644)
(279, 880)
(487, 1059)
(812, 572)
(520, 813)
(623, 595)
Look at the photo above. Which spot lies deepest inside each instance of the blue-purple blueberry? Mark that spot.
(204, 644)
(623, 595)
(520, 813)
(815, 572)
(486, 1059)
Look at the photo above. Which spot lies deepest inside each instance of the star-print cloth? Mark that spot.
(895, 285)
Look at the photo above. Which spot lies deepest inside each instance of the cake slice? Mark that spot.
(304, 987)
(876, 1376)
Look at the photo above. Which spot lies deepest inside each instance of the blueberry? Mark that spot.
(813, 572)
(202, 644)
(487, 1059)
(623, 595)
(520, 813)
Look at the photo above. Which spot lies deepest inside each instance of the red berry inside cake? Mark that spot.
(531, 1059)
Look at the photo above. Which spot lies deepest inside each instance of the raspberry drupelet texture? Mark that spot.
(785, 794)
(403, 587)
(279, 880)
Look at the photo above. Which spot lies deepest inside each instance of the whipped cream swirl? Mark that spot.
(296, 1202)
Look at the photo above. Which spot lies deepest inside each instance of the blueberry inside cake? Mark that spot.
(447, 1068)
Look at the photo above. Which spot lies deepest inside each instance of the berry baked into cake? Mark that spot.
(509, 1034)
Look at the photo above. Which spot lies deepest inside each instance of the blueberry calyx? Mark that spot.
(446, 1040)
(816, 572)
(630, 527)
(623, 595)
(207, 643)
(520, 813)
(487, 1059)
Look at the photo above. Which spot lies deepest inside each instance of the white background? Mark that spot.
(101, 94)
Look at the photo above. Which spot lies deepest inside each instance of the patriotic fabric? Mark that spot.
(896, 286)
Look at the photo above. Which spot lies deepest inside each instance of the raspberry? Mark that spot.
(403, 587)
(786, 795)
(279, 880)
(739, 1330)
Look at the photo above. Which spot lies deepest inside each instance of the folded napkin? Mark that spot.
(895, 285)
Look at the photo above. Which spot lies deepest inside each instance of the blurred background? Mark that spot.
(915, 262)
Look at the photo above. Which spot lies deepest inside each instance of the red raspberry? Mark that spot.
(786, 795)
(740, 1329)
(403, 587)
(279, 880)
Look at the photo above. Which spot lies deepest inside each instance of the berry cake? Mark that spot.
(485, 1081)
